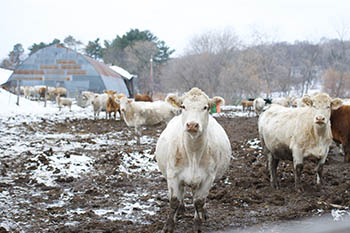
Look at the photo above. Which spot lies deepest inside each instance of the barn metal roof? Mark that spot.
(122, 72)
(103, 69)
(58, 65)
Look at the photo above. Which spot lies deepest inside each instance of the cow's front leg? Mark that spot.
(298, 168)
(200, 214)
(176, 192)
(200, 195)
(346, 150)
(272, 166)
(319, 172)
(169, 226)
(138, 133)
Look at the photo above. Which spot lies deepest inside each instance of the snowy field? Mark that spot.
(58, 165)
(15, 117)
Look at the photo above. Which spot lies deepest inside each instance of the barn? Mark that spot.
(58, 66)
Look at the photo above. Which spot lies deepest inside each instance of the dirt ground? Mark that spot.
(242, 198)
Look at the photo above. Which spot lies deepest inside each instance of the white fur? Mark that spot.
(99, 102)
(298, 132)
(284, 101)
(189, 157)
(258, 105)
(63, 101)
(138, 113)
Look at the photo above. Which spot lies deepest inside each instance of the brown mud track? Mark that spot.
(242, 198)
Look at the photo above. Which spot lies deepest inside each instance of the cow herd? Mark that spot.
(39, 92)
(194, 150)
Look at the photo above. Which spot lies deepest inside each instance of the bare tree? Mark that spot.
(244, 77)
(305, 65)
(180, 74)
(205, 58)
(337, 56)
(138, 57)
(336, 83)
(214, 42)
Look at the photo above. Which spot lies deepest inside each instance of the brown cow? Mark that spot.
(41, 92)
(61, 91)
(112, 106)
(340, 124)
(246, 105)
(143, 97)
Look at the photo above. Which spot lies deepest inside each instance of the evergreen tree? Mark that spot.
(15, 55)
(14, 58)
(72, 43)
(35, 47)
(94, 49)
(115, 50)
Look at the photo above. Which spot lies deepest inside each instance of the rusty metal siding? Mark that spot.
(56, 65)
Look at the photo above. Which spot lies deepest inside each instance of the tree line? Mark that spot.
(221, 64)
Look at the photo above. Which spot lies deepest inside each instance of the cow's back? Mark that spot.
(148, 113)
(280, 127)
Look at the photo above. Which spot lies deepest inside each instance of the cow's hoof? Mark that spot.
(197, 225)
(299, 189)
(168, 229)
(347, 159)
(275, 185)
(181, 211)
(318, 187)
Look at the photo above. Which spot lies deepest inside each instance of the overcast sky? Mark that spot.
(173, 21)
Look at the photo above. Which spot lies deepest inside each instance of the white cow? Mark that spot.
(27, 91)
(51, 92)
(85, 98)
(63, 101)
(30, 92)
(295, 133)
(99, 103)
(258, 105)
(193, 150)
(298, 103)
(139, 113)
(284, 101)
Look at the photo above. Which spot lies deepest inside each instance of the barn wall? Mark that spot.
(62, 67)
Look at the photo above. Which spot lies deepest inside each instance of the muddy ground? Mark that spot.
(242, 198)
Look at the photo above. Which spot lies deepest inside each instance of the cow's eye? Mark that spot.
(183, 107)
(205, 107)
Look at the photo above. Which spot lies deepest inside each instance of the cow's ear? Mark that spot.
(307, 100)
(217, 100)
(174, 100)
(336, 103)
